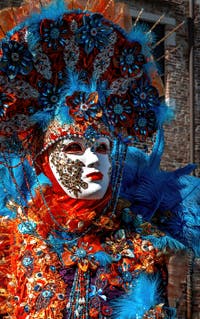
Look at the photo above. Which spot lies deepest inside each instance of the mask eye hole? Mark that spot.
(102, 148)
(73, 148)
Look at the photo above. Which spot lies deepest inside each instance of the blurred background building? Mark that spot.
(178, 58)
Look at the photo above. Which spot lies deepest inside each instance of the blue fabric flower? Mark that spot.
(84, 106)
(145, 96)
(53, 33)
(131, 60)
(93, 33)
(16, 59)
(118, 110)
(145, 123)
(50, 97)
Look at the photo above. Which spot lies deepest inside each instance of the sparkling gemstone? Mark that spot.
(129, 59)
(93, 32)
(142, 122)
(27, 261)
(143, 96)
(47, 294)
(118, 109)
(81, 253)
(54, 33)
(15, 56)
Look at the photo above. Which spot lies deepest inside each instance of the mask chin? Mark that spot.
(93, 192)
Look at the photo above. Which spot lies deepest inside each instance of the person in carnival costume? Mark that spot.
(88, 219)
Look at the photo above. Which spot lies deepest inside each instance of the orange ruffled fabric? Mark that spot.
(116, 12)
(18, 281)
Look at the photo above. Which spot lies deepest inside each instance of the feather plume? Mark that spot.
(143, 296)
(151, 190)
(19, 183)
(103, 258)
(165, 242)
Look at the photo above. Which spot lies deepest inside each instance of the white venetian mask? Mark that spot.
(82, 169)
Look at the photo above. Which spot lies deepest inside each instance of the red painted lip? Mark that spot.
(96, 176)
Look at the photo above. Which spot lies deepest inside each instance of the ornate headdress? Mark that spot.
(70, 71)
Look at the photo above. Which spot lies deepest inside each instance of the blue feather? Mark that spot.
(140, 34)
(144, 295)
(63, 116)
(43, 118)
(158, 149)
(19, 183)
(103, 258)
(151, 190)
(74, 83)
(165, 242)
(164, 114)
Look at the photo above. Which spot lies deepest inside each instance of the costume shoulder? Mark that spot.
(170, 199)
(18, 183)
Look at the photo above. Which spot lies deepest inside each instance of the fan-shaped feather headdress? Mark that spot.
(71, 71)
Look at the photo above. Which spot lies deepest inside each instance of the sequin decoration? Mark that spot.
(69, 171)
(42, 63)
(71, 53)
(45, 296)
(23, 90)
(103, 59)
(28, 263)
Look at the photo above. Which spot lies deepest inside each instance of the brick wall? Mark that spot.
(184, 270)
(177, 134)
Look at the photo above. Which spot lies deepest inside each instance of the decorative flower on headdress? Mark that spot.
(16, 59)
(119, 111)
(54, 33)
(131, 60)
(145, 123)
(50, 97)
(84, 106)
(144, 95)
(93, 33)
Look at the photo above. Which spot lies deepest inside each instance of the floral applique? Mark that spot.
(84, 106)
(16, 59)
(54, 33)
(93, 33)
